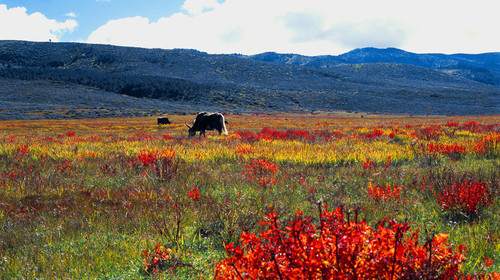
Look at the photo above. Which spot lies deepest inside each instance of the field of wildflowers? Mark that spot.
(331, 196)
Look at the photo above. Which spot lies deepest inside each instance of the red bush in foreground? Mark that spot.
(339, 249)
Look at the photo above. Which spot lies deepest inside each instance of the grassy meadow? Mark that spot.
(102, 198)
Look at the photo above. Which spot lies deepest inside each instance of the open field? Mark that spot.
(92, 199)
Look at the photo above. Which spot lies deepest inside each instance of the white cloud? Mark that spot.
(71, 14)
(18, 25)
(314, 27)
(196, 7)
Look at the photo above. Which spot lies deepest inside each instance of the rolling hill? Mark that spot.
(484, 68)
(63, 80)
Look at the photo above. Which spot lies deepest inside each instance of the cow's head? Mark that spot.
(192, 130)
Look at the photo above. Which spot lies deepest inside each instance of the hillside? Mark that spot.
(484, 68)
(131, 81)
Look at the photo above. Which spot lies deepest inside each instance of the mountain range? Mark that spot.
(77, 80)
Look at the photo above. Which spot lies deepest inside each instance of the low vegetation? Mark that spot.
(308, 196)
(365, 80)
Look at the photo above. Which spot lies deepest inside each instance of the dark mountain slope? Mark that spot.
(38, 99)
(235, 83)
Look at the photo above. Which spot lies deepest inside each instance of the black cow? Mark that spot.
(208, 121)
(163, 120)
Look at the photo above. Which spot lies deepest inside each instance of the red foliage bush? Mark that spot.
(487, 146)
(146, 157)
(473, 126)
(454, 151)
(244, 150)
(261, 171)
(468, 197)
(160, 259)
(329, 135)
(161, 163)
(339, 249)
(247, 136)
(379, 193)
(194, 194)
(156, 260)
(375, 133)
(429, 133)
(369, 164)
(299, 134)
(271, 134)
(21, 152)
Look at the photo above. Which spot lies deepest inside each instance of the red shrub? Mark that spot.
(473, 126)
(487, 146)
(247, 136)
(388, 162)
(375, 133)
(329, 135)
(454, 151)
(244, 150)
(161, 163)
(262, 172)
(146, 157)
(469, 197)
(369, 164)
(194, 194)
(379, 193)
(271, 134)
(160, 259)
(430, 133)
(339, 249)
(299, 134)
(21, 152)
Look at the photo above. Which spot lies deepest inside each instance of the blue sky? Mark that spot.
(91, 14)
(312, 27)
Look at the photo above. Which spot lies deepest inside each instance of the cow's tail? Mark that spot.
(224, 130)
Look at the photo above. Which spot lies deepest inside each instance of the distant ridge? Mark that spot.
(484, 68)
(363, 80)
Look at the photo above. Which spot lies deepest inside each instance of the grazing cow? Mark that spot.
(163, 120)
(208, 121)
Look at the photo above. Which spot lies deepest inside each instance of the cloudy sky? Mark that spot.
(309, 27)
